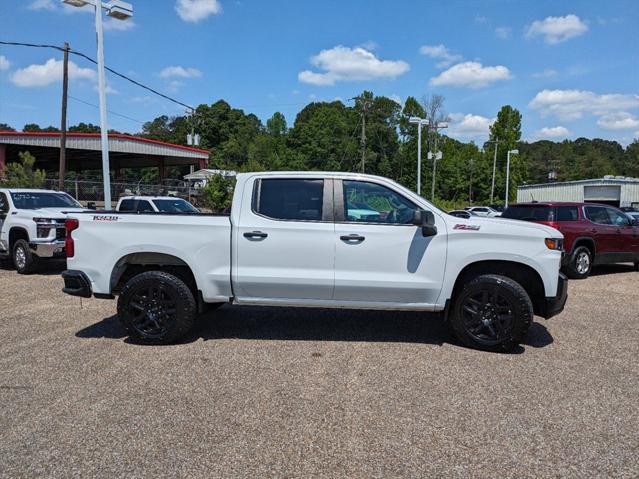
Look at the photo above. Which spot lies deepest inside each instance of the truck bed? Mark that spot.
(107, 240)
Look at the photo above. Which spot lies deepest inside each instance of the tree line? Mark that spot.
(328, 136)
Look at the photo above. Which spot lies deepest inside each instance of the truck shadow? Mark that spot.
(307, 324)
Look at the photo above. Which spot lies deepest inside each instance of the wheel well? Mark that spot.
(136, 263)
(587, 242)
(16, 234)
(523, 274)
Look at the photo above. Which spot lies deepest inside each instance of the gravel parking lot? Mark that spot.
(268, 392)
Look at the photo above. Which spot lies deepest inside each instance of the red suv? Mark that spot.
(593, 233)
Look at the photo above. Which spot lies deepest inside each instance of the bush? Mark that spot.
(218, 192)
(22, 174)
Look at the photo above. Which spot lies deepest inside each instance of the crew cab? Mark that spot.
(32, 225)
(319, 240)
(593, 233)
(164, 204)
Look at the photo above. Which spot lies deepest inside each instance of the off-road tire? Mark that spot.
(24, 261)
(573, 269)
(136, 305)
(512, 300)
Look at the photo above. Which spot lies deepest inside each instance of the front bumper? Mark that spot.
(76, 283)
(555, 304)
(47, 248)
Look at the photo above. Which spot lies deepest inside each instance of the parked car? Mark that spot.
(462, 213)
(593, 233)
(32, 225)
(291, 240)
(157, 204)
(483, 211)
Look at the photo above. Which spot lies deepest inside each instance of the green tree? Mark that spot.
(218, 192)
(84, 128)
(22, 174)
(506, 129)
(5, 127)
(35, 128)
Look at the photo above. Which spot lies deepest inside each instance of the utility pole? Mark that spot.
(63, 119)
(492, 187)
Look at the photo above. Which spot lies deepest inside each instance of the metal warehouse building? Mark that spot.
(612, 190)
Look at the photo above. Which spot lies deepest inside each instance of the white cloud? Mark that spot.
(557, 29)
(120, 25)
(175, 85)
(503, 32)
(5, 64)
(618, 121)
(551, 133)
(396, 98)
(469, 126)
(547, 73)
(197, 10)
(50, 72)
(42, 5)
(471, 75)
(178, 71)
(440, 51)
(342, 63)
(572, 104)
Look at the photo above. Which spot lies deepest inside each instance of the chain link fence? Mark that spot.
(93, 191)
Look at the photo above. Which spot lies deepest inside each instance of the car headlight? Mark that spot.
(555, 243)
(44, 226)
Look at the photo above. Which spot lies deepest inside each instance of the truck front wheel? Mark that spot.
(24, 261)
(156, 308)
(492, 313)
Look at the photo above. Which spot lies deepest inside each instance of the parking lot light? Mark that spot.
(510, 152)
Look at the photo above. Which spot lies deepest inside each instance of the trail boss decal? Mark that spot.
(106, 218)
(466, 227)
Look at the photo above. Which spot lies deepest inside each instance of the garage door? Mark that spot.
(605, 193)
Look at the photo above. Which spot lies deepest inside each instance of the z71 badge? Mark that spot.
(466, 227)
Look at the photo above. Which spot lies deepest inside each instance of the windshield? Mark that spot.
(529, 213)
(175, 206)
(34, 201)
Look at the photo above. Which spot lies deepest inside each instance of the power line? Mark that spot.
(110, 111)
(86, 57)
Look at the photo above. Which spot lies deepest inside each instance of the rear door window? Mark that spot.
(529, 213)
(290, 199)
(567, 213)
(598, 214)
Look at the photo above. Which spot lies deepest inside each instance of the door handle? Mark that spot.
(593, 230)
(255, 234)
(352, 237)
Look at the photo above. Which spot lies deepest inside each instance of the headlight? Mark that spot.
(44, 226)
(554, 243)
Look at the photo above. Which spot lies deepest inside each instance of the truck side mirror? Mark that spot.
(426, 220)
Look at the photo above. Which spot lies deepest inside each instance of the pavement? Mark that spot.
(279, 392)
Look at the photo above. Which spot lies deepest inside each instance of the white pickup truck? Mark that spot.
(319, 240)
(32, 225)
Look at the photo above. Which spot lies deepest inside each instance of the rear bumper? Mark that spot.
(555, 304)
(47, 248)
(76, 283)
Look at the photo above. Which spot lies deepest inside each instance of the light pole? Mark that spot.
(419, 122)
(437, 156)
(492, 186)
(513, 152)
(120, 11)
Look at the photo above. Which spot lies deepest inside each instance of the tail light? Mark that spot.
(70, 225)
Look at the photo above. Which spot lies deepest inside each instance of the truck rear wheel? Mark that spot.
(492, 313)
(23, 260)
(156, 308)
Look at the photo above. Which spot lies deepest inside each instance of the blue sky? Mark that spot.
(570, 67)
